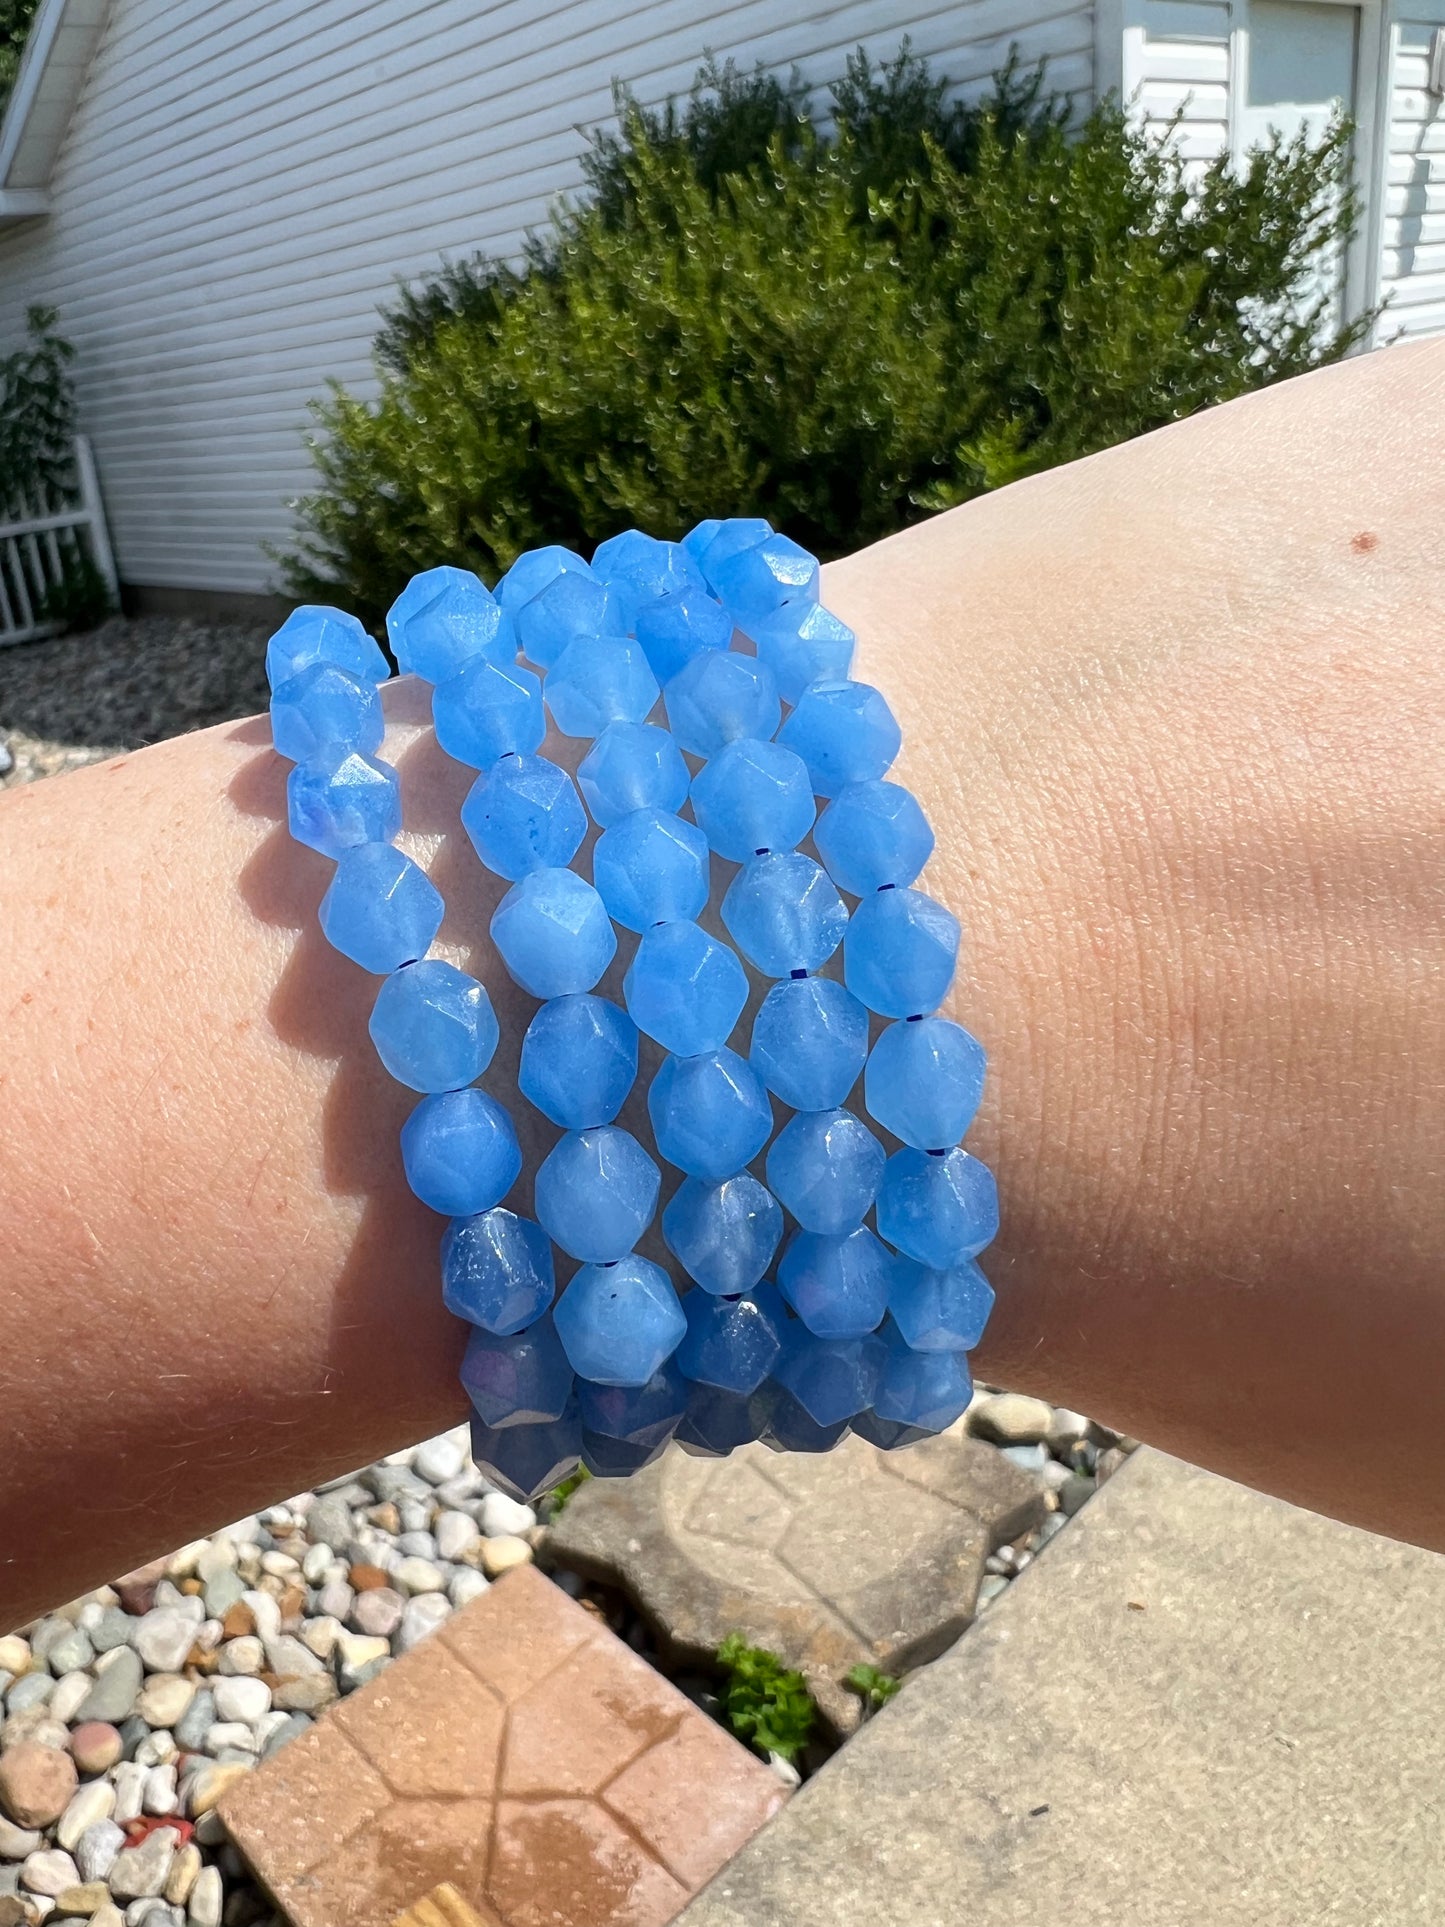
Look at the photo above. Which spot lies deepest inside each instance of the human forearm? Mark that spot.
(1179, 741)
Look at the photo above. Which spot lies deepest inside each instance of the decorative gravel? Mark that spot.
(78, 699)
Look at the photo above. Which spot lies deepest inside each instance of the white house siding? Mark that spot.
(1412, 267)
(242, 183)
(1177, 63)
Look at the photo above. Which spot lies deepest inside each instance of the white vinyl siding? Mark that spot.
(1177, 62)
(242, 184)
(1412, 264)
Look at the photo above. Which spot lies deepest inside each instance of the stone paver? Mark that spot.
(1199, 1708)
(521, 1757)
(830, 1560)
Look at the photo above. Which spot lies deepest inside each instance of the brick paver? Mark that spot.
(522, 1757)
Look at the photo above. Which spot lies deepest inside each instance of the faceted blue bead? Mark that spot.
(784, 914)
(326, 708)
(672, 629)
(644, 569)
(521, 1378)
(924, 1081)
(939, 1311)
(524, 814)
(928, 1389)
(488, 711)
(433, 1026)
(939, 1210)
(340, 799)
(803, 642)
(833, 1379)
(607, 1458)
(732, 1343)
(732, 536)
(444, 618)
(596, 1191)
(825, 1167)
(873, 834)
(528, 1460)
(317, 633)
(845, 732)
(619, 1322)
(579, 1061)
(553, 933)
(380, 909)
(644, 1415)
(461, 1154)
(497, 1271)
(684, 988)
(751, 797)
(788, 1427)
(718, 1422)
(838, 1286)
(699, 536)
(571, 605)
(599, 680)
(810, 1039)
(651, 867)
(885, 1434)
(724, 1235)
(710, 1113)
(756, 581)
(900, 952)
(632, 766)
(531, 573)
(718, 697)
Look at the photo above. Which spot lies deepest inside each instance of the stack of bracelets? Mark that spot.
(825, 1276)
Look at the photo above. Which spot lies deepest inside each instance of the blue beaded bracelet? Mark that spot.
(840, 1288)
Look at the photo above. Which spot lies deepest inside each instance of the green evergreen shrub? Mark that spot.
(37, 411)
(839, 322)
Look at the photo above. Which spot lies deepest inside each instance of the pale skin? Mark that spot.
(1176, 714)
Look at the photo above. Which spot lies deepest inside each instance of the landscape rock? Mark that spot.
(94, 1802)
(378, 1612)
(164, 1698)
(49, 1872)
(1010, 1419)
(142, 1871)
(415, 1575)
(37, 1783)
(96, 1849)
(82, 1902)
(502, 1517)
(17, 1842)
(422, 1616)
(240, 1698)
(118, 1677)
(501, 1554)
(71, 1693)
(206, 1899)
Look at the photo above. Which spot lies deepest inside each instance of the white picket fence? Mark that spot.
(40, 537)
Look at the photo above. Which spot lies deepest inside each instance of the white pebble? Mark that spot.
(438, 1460)
(185, 1869)
(501, 1555)
(164, 1698)
(160, 1790)
(466, 1586)
(455, 1531)
(90, 1805)
(280, 1565)
(230, 1733)
(69, 1695)
(316, 1565)
(157, 1749)
(165, 1636)
(129, 1781)
(14, 1653)
(96, 1849)
(422, 1616)
(243, 1532)
(241, 1656)
(335, 1600)
(265, 1612)
(206, 1898)
(418, 1575)
(319, 1635)
(183, 1564)
(502, 1517)
(209, 1635)
(240, 1698)
(49, 1872)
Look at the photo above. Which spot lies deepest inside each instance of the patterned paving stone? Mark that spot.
(831, 1560)
(521, 1757)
